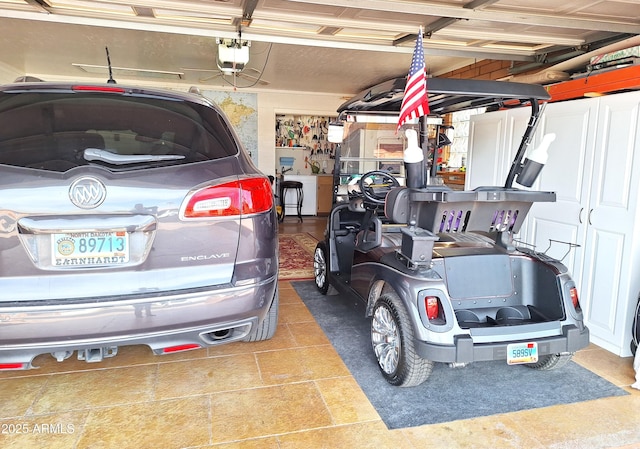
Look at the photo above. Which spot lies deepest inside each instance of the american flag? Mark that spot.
(415, 102)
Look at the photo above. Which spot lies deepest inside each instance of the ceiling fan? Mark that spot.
(254, 76)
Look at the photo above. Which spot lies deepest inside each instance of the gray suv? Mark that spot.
(128, 216)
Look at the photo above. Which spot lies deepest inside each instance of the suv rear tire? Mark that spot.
(266, 329)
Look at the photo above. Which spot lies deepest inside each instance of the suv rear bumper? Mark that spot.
(204, 318)
(464, 350)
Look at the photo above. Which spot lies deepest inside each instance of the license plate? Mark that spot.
(518, 353)
(90, 249)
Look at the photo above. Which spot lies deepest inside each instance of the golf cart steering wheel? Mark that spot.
(378, 185)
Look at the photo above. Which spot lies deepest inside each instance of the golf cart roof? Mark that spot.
(446, 95)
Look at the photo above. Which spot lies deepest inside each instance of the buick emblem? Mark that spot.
(87, 192)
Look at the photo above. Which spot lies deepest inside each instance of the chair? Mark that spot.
(296, 186)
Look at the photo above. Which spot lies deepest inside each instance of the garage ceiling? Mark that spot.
(333, 46)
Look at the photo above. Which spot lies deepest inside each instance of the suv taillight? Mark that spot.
(236, 198)
(12, 366)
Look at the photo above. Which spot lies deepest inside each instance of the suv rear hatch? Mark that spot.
(134, 189)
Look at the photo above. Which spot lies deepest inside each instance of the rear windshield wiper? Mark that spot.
(95, 154)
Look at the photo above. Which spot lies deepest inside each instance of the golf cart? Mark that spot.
(441, 276)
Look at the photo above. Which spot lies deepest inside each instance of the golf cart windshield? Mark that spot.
(370, 140)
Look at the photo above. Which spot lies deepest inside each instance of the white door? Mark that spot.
(486, 148)
(609, 287)
(568, 173)
(494, 139)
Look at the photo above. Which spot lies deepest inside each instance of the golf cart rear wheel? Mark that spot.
(393, 345)
(321, 268)
(551, 361)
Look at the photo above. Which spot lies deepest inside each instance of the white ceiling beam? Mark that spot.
(180, 5)
(194, 30)
(429, 9)
(289, 38)
(431, 48)
(528, 38)
(401, 29)
(338, 22)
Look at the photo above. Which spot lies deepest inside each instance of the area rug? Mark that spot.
(479, 389)
(296, 256)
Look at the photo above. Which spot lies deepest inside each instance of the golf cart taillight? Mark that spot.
(236, 198)
(573, 293)
(432, 305)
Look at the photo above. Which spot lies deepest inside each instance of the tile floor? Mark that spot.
(290, 392)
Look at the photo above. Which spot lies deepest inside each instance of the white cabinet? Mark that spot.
(597, 177)
(594, 168)
(568, 172)
(494, 139)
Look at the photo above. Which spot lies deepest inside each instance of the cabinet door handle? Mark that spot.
(580, 215)
(589, 217)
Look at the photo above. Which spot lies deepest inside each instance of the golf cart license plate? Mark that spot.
(522, 353)
(90, 249)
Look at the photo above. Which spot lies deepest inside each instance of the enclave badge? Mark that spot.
(87, 192)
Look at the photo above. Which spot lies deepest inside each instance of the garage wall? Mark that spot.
(270, 104)
(8, 74)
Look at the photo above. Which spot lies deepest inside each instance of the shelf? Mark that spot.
(627, 78)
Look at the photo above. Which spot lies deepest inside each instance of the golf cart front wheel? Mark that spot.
(393, 345)
(321, 268)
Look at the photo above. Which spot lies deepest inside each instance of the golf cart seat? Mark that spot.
(382, 230)
(442, 210)
(378, 234)
(396, 205)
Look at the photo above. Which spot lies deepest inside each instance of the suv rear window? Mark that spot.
(51, 130)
